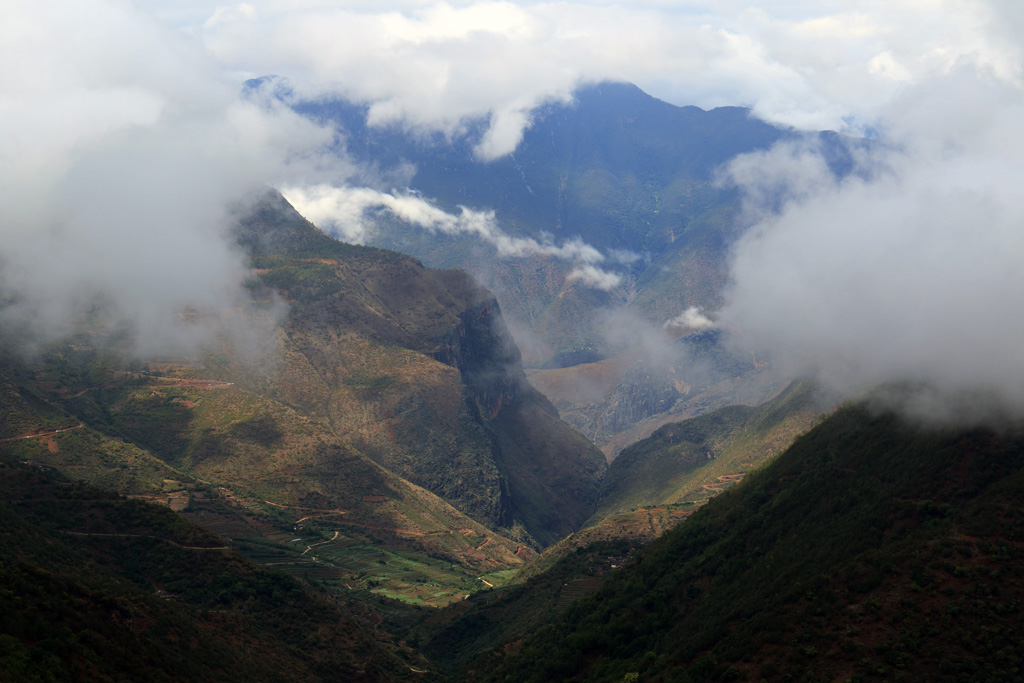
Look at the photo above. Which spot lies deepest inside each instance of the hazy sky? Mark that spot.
(125, 136)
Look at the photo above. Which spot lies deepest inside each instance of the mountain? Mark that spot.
(377, 410)
(870, 549)
(632, 176)
(615, 167)
(416, 368)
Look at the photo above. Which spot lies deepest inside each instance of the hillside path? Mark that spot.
(156, 538)
(50, 432)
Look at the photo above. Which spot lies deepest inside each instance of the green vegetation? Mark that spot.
(870, 549)
(301, 283)
(366, 381)
(457, 638)
(387, 394)
(272, 232)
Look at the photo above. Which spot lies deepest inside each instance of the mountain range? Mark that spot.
(359, 477)
(641, 181)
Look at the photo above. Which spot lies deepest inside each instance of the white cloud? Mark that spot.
(347, 212)
(123, 147)
(692, 319)
(595, 277)
(909, 272)
(813, 65)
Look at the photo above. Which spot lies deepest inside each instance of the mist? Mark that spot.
(905, 274)
(124, 148)
(127, 137)
(348, 213)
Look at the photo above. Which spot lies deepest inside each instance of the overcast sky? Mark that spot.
(124, 138)
(816, 64)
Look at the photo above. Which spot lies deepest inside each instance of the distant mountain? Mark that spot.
(869, 550)
(616, 167)
(577, 163)
(693, 460)
(629, 174)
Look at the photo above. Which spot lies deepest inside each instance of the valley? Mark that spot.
(366, 427)
(615, 179)
(383, 442)
(491, 419)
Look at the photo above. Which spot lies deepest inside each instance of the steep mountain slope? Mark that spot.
(256, 471)
(416, 370)
(96, 587)
(385, 409)
(869, 550)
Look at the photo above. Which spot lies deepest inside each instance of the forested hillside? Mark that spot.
(870, 550)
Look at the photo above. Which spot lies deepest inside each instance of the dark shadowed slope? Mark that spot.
(868, 551)
(99, 588)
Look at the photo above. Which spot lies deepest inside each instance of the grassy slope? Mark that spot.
(868, 551)
(155, 436)
(414, 368)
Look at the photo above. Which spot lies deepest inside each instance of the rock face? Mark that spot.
(415, 369)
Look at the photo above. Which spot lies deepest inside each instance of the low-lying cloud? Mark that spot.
(348, 213)
(907, 273)
(123, 147)
(690, 320)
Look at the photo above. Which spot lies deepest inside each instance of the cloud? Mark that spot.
(124, 145)
(348, 213)
(125, 137)
(595, 277)
(692, 319)
(906, 273)
(436, 65)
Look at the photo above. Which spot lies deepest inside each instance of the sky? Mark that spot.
(127, 141)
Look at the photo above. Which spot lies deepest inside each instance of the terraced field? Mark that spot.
(340, 556)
